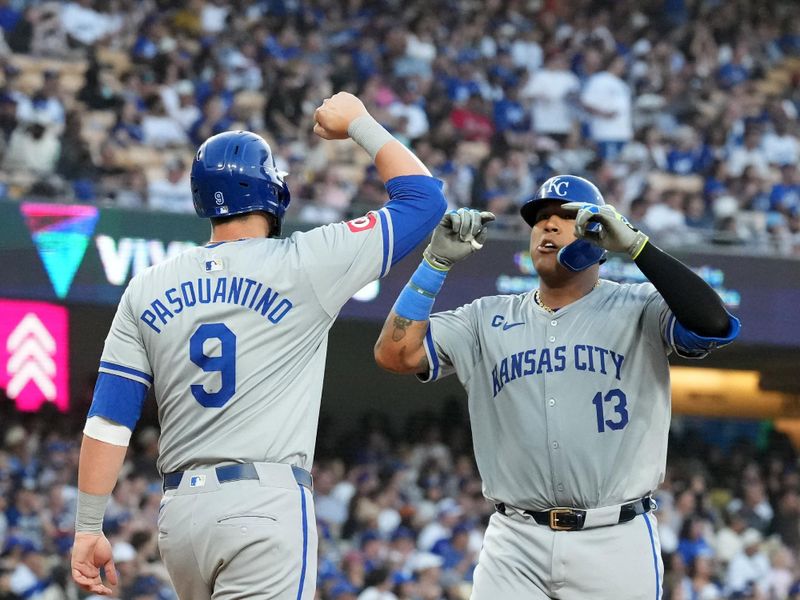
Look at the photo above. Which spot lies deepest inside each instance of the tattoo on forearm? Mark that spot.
(400, 326)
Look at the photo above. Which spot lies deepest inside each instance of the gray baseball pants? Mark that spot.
(521, 559)
(254, 539)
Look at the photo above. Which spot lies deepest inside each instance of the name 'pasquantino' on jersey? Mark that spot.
(233, 336)
(555, 398)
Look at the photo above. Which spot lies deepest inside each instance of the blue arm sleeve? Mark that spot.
(416, 205)
(118, 399)
(691, 345)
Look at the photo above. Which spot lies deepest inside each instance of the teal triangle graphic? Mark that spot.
(62, 254)
(61, 234)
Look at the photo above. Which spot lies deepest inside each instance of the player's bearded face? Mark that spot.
(554, 229)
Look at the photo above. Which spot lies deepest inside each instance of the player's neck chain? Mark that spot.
(538, 299)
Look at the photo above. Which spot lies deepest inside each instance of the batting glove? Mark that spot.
(458, 234)
(615, 234)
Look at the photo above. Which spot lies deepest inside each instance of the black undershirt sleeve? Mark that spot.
(693, 302)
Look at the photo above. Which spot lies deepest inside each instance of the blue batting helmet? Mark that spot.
(580, 254)
(235, 173)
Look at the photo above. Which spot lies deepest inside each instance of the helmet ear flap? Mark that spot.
(580, 255)
(283, 198)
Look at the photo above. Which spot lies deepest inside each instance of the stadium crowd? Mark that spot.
(685, 112)
(400, 512)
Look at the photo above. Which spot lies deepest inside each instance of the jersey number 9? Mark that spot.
(224, 363)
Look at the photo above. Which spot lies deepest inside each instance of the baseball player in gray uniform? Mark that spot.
(232, 337)
(569, 394)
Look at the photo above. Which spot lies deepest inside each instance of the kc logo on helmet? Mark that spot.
(219, 198)
(558, 187)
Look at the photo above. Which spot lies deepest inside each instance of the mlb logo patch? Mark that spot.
(212, 265)
(197, 481)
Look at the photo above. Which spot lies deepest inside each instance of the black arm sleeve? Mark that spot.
(693, 302)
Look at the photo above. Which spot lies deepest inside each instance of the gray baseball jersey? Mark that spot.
(567, 409)
(233, 336)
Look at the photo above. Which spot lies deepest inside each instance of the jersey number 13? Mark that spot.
(613, 405)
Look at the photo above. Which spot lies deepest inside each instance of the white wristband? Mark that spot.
(369, 134)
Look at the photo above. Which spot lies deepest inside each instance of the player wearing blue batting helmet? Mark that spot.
(235, 173)
(580, 254)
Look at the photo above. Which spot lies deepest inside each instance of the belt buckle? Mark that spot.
(555, 513)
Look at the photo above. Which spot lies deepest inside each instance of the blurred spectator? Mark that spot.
(526, 51)
(45, 106)
(330, 508)
(180, 104)
(696, 213)
(471, 120)
(243, 69)
(749, 154)
(213, 16)
(692, 543)
(410, 107)
(750, 566)
(607, 99)
(101, 87)
(158, 128)
(128, 127)
(456, 553)
(666, 218)
(29, 577)
(213, 120)
(172, 193)
(786, 522)
(781, 147)
(428, 570)
(753, 505)
(784, 196)
(780, 576)
(704, 585)
(9, 16)
(75, 161)
(688, 156)
(8, 118)
(448, 515)
(511, 119)
(553, 93)
(331, 195)
(41, 31)
(379, 584)
(736, 68)
(85, 25)
(34, 147)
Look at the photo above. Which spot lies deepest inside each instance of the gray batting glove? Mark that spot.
(458, 234)
(615, 233)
